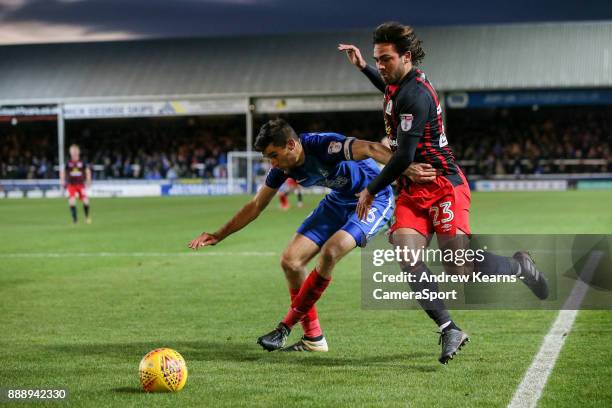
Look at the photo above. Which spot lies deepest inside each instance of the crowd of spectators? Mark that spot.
(28, 154)
(532, 141)
(128, 149)
(486, 142)
(188, 148)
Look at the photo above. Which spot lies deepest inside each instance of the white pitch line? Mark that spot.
(530, 389)
(129, 254)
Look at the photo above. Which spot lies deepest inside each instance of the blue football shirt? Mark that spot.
(328, 164)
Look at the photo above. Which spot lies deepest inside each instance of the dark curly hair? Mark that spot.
(276, 131)
(403, 37)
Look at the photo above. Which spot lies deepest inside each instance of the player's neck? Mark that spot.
(302, 156)
(408, 70)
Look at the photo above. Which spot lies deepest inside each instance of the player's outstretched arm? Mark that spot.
(354, 55)
(416, 172)
(240, 220)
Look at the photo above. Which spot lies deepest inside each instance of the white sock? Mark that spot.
(445, 325)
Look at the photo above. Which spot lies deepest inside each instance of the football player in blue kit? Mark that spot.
(332, 230)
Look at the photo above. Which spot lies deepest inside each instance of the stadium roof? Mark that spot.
(523, 56)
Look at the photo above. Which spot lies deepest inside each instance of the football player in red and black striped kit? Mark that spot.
(74, 177)
(415, 129)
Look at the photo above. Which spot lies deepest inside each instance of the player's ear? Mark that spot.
(291, 144)
(407, 57)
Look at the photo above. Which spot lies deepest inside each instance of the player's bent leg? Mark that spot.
(72, 205)
(300, 198)
(340, 244)
(295, 257)
(414, 241)
(521, 264)
(319, 227)
(456, 243)
(452, 338)
(312, 289)
(85, 200)
(284, 201)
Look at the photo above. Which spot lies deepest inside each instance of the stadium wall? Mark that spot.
(18, 189)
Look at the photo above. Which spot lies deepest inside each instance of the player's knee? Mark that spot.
(290, 264)
(330, 254)
(416, 269)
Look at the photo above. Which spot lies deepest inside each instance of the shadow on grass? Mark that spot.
(247, 352)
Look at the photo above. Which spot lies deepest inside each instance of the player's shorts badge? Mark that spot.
(334, 147)
(406, 121)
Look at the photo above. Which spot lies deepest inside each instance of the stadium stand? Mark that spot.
(488, 142)
(303, 78)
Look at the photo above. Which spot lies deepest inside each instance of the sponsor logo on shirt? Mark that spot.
(337, 182)
(389, 107)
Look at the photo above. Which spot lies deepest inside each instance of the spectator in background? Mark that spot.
(490, 142)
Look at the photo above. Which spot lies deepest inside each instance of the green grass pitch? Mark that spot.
(80, 306)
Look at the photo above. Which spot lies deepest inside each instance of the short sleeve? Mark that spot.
(275, 178)
(413, 116)
(329, 147)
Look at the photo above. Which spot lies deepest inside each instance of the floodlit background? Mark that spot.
(165, 97)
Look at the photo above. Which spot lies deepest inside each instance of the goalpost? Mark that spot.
(238, 175)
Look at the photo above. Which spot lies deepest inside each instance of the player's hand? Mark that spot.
(422, 172)
(353, 54)
(364, 203)
(204, 239)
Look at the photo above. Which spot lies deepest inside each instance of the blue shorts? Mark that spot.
(335, 213)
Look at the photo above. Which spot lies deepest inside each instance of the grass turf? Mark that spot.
(127, 284)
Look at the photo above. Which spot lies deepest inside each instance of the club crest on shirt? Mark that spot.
(334, 147)
(406, 121)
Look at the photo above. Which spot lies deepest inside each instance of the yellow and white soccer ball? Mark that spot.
(163, 370)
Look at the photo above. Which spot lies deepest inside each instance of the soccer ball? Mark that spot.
(163, 370)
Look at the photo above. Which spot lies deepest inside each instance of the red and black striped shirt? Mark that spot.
(413, 115)
(75, 172)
